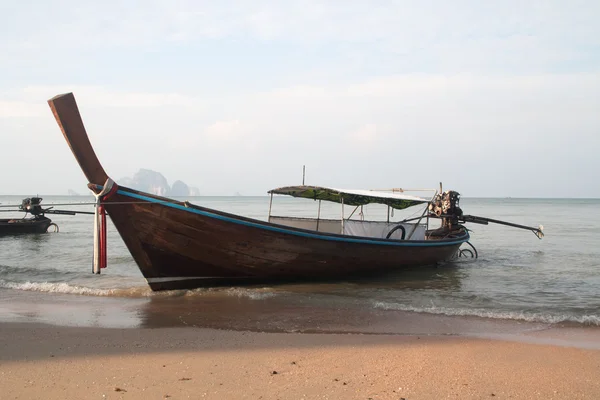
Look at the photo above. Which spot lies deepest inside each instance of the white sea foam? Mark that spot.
(253, 294)
(56, 287)
(143, 291)
(592, 320)
(66, 288)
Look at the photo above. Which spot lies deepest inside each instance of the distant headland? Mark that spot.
(149, 181)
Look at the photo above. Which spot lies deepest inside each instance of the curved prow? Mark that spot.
(64, 108)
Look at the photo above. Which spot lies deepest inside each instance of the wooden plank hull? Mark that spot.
(179, 245)
(184, 246)
(17, 226)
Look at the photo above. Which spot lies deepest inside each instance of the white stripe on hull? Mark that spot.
(189, 278)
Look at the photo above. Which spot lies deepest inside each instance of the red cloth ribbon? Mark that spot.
(102, 213)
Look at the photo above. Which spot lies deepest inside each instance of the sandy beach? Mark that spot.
(50, 362)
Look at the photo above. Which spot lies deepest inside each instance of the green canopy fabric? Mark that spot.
(351, 197)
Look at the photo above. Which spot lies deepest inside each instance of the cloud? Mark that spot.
(483, 126)
(429, 35)
(267, 86)
(223, 130)
(19, 109)
(31, 101)
(365, 134)
(102, 96)
(217, 134)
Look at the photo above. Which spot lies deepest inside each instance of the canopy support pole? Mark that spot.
(388, 215)
(318, 215)
(270, 206)
(342, 214)
(353, 212)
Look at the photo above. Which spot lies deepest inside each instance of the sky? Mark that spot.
(493, 99)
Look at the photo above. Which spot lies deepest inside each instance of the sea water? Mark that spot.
(517, 277)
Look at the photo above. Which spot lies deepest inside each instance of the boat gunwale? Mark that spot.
(240, 220)
(337, 220)
(25, 220)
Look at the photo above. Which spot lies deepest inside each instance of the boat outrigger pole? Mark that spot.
(444, 206)
(32, 206)
(38, 223)
(56, 212)
(485, 221)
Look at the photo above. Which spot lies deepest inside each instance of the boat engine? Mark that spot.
(32, 205)
(445, 205)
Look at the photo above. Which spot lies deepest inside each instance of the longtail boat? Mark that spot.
(19, 226)
(37, 223)
(179, 245)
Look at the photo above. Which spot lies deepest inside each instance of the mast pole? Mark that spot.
(303, 173)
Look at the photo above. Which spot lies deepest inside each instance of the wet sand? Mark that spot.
(238, 347)
(249, 311)
(40, 361)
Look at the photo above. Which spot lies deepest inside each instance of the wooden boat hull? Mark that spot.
(178, 245)
(17, 226)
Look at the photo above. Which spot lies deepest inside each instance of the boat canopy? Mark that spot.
(350, 196)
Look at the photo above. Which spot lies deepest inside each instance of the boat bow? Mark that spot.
(65, 110)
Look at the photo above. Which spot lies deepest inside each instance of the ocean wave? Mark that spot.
(252, 294)
(132, 292)
(590, 320)
(57, 287)
(32, 271)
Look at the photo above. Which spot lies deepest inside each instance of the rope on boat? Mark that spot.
(185, 203)
(467, 252)
(51, 204)
(55, 227)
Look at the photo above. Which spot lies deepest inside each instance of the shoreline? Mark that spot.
(274, 315)
(53, 362)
